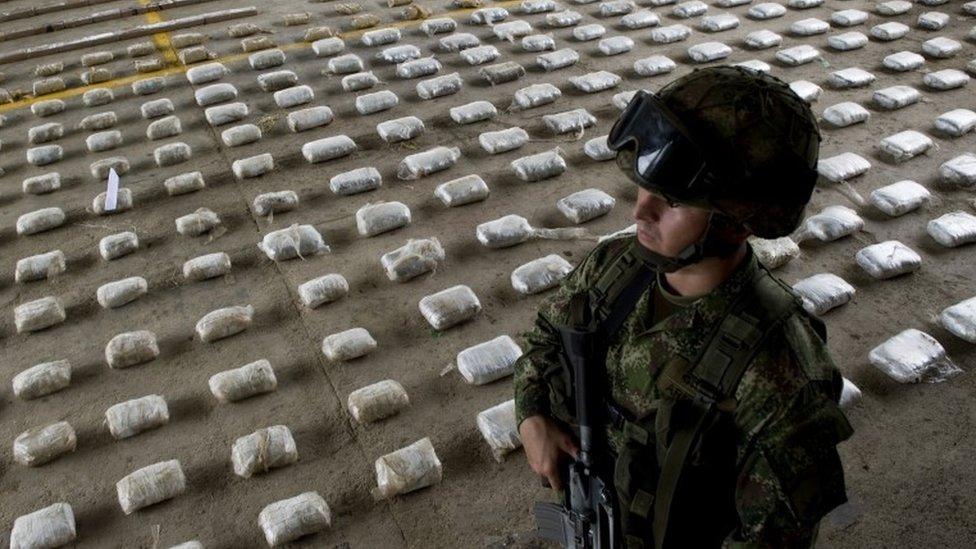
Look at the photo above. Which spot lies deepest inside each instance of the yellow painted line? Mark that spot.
(161, 39)
(178, 68)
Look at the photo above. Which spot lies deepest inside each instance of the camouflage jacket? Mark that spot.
(787, 421)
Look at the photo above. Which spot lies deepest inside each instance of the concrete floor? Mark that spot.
(908, 467)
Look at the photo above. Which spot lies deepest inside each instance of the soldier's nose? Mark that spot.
(649, 206)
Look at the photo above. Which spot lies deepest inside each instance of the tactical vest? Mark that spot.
(686, 442)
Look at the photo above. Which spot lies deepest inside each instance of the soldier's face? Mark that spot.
(667, 229)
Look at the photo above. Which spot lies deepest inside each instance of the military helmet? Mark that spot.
(726, 138)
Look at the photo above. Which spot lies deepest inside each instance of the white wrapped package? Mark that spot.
(831, 223)
(959, 171)
(598, 150)
(293, 96)
(449, 307)
(798, 55)
(38, 314)
(463, 190)
(540, 274)
(899, 198)
(775, 252)
(719, 22)
(498, 427)
(888, 259)
(41, 220)
(941, 47)
(848, 18)
(206, 266)
(359, 81)
(407, 469)
(312, 117)
(845, 114)
(157, 108)
(224, 322)
(473, 112)
(458, 41)
(537, 167)
(480, 54)
(120, 292)
(766, 10)
(197, 223)
(46, 132)
(689, 9)
(575, 120)
(263, 450)
(823, 292)
(808, 91)
(380, 37)
(123, 202)
(955, 123)
(615, 7)
(849, 394)
(131, 348)
(192, 544)
(289, 519)
(240, 135)
(640, 19)
(849, 78)
(892, 30)
(842, 167)
(537, 6)
(323, 289)
(558, 59)
(150, 485)
(536, 95)
(225, 114)
(418, 67)
(512, 30)
(847, 41)
(42, 184)
(487, 16)
(538, 42)
(41, 445)
(499, 73)
(413, 259)
(329, 148)
(892, 7)
(42, 379)
(905, 145)
(809, 27)
(172, 153)
(615, 45)
(348, 344)
(356, 181)
(913, 356)
(439, 86)
(505, 231)
(427, 162)
(345, 64)
(99, 121)
(39, 267)
(52, 526)
(129, 418)
(377, 401)
(400, 129)
(933, 20)
(896, 97)
(762, 39)
(565, 18)
(275, 202)
(201, 74)
(946, 79)
(960, 319)
(118, 245)
(501, 141)
(374, 219)
(375, 102)
(585, 33)
(488, 361)
(953, 229)
(585, 205)
(754, 65)
(44, 155)
(903, 61)
(399, 54)
(215, 93)
(654, 65)
(255, 378)
(430, 27)
(295, 241)
(253, 166)
(595, 81)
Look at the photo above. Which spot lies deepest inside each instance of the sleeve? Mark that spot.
(539, 364)
(789, 471)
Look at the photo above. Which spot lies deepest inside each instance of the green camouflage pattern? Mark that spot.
(786, 416)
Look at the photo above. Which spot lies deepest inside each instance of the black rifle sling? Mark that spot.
(761, 305)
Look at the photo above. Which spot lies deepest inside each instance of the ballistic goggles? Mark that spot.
(666, 160)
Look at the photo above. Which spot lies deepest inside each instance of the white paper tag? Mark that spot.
(112, 193)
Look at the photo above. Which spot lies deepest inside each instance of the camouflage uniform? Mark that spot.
(771, 469)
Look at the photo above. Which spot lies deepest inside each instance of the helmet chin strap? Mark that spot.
(707, 245)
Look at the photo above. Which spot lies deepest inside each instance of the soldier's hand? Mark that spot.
(546, 445)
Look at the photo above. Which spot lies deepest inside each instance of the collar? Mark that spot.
(711, 306)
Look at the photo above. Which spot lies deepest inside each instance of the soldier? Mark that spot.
(722, 397)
